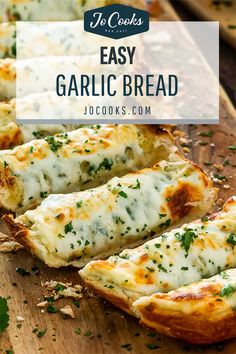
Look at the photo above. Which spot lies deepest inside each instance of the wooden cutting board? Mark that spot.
(103, 328)
(223, 11)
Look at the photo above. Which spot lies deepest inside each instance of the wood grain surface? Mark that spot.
(227, 53)
(222, 11)
(103, 328)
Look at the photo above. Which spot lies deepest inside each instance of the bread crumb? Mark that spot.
(20, 318)
(67, 310)
(57, 290)
(179, 133)
(220, 202)
(219, 167)
(186, 150)
(42, 304)
(7, 244)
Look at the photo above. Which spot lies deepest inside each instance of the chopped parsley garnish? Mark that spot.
(52, 309)
(53, 143)
(224, 275)
(162, 215)
(118, 220)
(106, 164)
(204, 219)
(220, 177)
(78, 330)
(22, 271)
(59, 287)
(157, 245)
(43, 194)
(166, 223)
(151, 270)
(127, 346)
(37, 135)
(68, 227)
(79, 204)
(208, 134)
(16, 15)
(123, 194)
(4, 317)
(41, 332)
(35, 270)
(137, 186)
(232, 147)
(160, 266)
(231, 239)
(184, 268)
(152, 346)
(108, 286)
(87, 334)
(227, 290)
(186, 238)
(226, 163)
(76, 303)
(13, 49)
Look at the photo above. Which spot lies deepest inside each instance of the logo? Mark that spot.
(116, 21)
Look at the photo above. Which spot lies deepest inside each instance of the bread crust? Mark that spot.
(17, 230)
(107, 278)
(198, 313)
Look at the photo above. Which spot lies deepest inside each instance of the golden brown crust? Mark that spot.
(6, 71)
(10, 137)
(200, 313)
(16, 230)
(193, 329)
(178, 202)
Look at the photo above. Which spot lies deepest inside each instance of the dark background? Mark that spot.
(227, 54)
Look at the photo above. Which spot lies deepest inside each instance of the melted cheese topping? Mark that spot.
(76, 160)
(10, 135)
(7, 113)
(212, 297)
(30, 131)
(44, 10)
(179, 257)
(7, 40)
(7, 78)
(74, 228)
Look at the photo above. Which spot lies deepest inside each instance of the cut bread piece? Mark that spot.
(196, 250)
(74, 228)
(77, 160)
(202, 312)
